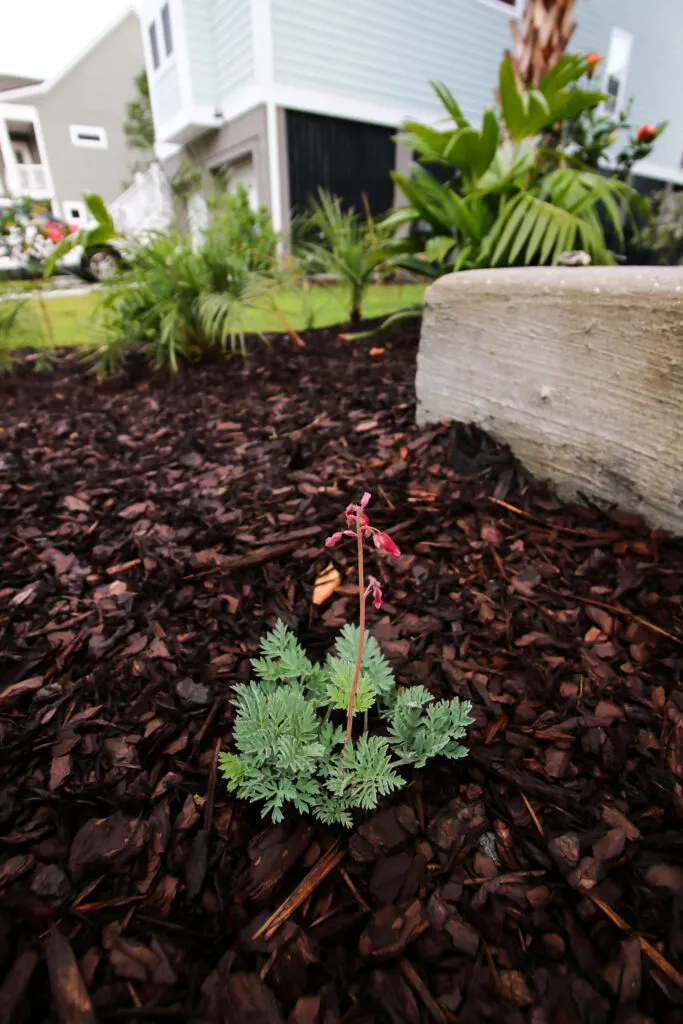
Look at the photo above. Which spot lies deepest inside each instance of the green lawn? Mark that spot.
(74, 317)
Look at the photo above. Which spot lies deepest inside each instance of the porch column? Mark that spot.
(9, 170)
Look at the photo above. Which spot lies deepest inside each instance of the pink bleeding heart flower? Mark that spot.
(384, 543)
(353, 513)
(376, 590)
(334, 539)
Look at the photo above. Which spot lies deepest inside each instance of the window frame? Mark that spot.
(75, 204)
(154, 49)
(76, 131)
(511, 8)
(628, 39)
(167, 28)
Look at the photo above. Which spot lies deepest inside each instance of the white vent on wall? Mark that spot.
(88, 136)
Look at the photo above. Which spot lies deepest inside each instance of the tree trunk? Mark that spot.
(542, 39)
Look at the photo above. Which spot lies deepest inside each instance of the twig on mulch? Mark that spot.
(575, 531)
(418, 985)
(258, 557)
(266, 553)
(512, 876)
(619, 609)
(674, 976)
(357, 896)
(327, 863)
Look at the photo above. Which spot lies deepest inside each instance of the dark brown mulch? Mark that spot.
(151, 532)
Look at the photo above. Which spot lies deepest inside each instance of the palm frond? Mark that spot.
(544, 231)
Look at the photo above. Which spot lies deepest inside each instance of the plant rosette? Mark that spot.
(290, 745)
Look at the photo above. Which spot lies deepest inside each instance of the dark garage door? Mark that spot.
(345, 157)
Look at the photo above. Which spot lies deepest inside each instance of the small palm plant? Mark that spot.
(290, 746)
(344, 245)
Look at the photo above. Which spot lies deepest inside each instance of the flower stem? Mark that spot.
(361, 625)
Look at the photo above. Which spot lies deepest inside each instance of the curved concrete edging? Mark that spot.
(579, 370)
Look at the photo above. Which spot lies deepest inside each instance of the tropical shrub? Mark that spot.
(510, 199)
(341, 243)
(182, 302)
(246, 232)
(291, 748)
(591, 137)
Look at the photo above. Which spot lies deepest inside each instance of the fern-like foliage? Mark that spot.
(420, 729)
(339, 685)
(289, 751)
(374, 665)
(364, 772)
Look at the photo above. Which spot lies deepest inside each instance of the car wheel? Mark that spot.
(101, 264)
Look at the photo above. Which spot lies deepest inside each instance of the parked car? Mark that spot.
(29, 233)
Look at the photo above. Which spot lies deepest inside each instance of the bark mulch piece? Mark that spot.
(151, 532)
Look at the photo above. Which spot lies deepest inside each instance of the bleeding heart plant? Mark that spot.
(290, 747)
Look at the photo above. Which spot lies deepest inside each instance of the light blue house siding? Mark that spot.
(386, 51)
(166, 94)
(233, 42)
(655, 76)
(200, 50)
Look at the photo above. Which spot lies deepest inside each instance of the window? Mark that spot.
(22, 152)
(74, 212)
(616, 69)
(166, 27)
(154, 45)
(88, 136)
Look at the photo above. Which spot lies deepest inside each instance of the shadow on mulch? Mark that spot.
(151, 532)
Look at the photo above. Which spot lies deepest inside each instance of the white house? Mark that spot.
(292, 94)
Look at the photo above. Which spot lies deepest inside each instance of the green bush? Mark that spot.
(183, 302)
(246, 232)
(510, 199)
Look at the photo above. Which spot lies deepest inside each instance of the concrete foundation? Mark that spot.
(579, 370)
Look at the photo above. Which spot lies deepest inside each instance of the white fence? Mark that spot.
(145, 206)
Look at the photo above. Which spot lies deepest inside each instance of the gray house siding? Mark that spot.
(244, 136)
(94, 92)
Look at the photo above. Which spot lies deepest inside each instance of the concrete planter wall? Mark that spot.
(579, 370)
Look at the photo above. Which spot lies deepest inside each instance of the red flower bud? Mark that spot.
(384, 543)
(334, 539)
(592, 60)
(646, 133)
